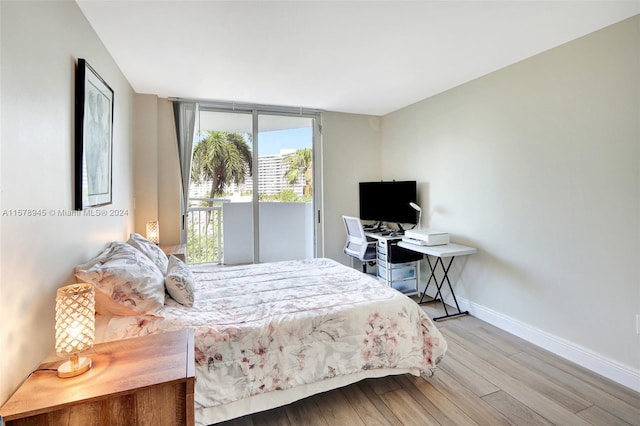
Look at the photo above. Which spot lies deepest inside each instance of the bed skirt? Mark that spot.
(267, 401)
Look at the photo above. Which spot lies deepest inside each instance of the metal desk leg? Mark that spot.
(439, 297)
(431, 276)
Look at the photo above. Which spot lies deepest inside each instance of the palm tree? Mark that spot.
(221, 158)
(300, 164)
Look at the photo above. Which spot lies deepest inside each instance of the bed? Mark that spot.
(266, 334)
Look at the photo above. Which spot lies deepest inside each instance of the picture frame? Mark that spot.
(93, 138)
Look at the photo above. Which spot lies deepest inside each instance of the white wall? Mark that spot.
(40, 43)
(538, 165)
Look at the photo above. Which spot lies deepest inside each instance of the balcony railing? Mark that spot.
(204, 230)
(286, 231)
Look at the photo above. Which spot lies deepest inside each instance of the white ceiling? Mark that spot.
(369, 57)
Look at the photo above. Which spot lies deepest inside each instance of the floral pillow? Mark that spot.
(150, 250)
(126, 281)
(180, 282)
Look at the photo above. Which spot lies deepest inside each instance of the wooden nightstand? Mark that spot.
(178, 250)
(142, 381)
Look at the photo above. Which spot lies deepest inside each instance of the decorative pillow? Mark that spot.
(150, 250)
(180, 282)
(126, 281)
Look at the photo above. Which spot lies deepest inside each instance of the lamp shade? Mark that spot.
(153, 231)
(75, 325)
(419, 210)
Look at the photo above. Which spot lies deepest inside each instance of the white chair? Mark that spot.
(358, 246)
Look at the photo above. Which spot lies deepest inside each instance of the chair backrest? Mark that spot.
(356, 244)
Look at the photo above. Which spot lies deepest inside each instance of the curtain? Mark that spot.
(186, 117)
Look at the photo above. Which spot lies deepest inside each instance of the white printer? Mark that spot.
(426, 237)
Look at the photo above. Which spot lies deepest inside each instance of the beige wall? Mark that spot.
(169, 185)
(350, 154)
(538, 166)
(157, 169)
(40, 43)
(146, 153)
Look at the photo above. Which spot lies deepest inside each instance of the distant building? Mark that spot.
(272, 180)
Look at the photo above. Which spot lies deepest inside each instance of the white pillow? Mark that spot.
(180, 282)
(126, 281)
(150, 250)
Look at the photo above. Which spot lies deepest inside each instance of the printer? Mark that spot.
(426, 237)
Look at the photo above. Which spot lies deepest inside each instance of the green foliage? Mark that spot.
(201, 250)
(202, 241)
(300, 165)
(287, 195)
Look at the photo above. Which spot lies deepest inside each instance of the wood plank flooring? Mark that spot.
(487, 377)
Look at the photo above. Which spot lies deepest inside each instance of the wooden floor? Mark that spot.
(487, 377)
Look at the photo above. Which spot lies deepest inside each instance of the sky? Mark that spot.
(272, 142)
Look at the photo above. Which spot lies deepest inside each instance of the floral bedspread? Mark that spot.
(266, 327)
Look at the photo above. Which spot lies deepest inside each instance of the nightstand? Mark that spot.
(178, 250)
(141, 381)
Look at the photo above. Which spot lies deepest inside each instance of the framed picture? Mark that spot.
(94, 139)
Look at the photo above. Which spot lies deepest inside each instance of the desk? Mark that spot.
(439, 252)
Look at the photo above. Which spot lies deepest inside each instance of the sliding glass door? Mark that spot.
(252, 194)
(285, 187)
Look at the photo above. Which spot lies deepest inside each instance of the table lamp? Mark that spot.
(153, 231)
(75, 326)
(417, 207)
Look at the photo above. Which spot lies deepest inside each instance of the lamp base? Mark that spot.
(67, 369)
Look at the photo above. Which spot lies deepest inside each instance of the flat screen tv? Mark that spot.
(388, 201)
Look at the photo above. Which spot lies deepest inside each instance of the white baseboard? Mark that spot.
(610, 369)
